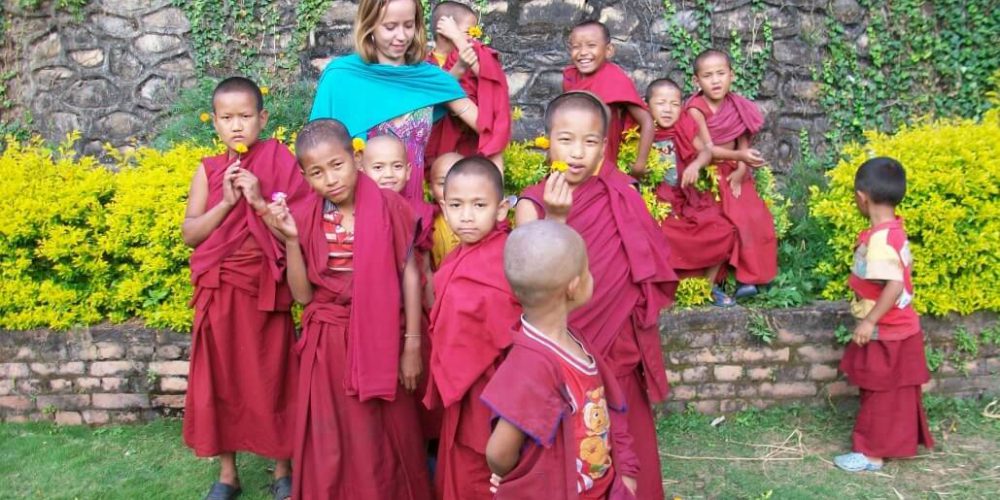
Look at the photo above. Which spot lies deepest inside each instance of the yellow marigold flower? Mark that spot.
(542, 142)
(559, 166)
(475, 32)
(205, 117)
(241, 148)
(358, 144)
(630, 134)
(517, 113)
(265, 90)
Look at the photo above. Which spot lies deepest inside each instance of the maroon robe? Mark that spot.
(699, 235)
(891, 421)
(755, 256)
(241, 379)
(471, 323)
(612, 85)
(528, 391)
(490, 93)
(430, 419)
(633, 282)
(357, 434)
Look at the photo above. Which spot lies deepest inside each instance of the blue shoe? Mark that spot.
(720, 299)
(744, 291)
(856, 462)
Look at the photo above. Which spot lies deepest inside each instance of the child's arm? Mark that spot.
(280, 221)
(428, 274)
(646, 136)
(504, 447)
(466, 110)
(886, 301)
(691, 172)
(524, 212)
(558, 197)
(409, 361)
(448, 28)
(199, 223)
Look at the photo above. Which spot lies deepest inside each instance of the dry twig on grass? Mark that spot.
(992, 410)
(775, 453)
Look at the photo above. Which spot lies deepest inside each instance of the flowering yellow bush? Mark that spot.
(951, 211)
(693, 292)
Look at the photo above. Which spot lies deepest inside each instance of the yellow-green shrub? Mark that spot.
(692, 292)
(951, 211)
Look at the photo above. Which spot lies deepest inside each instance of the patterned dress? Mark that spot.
(414, 129)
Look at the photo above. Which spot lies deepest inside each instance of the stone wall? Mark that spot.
(113, 73)
(127, 373)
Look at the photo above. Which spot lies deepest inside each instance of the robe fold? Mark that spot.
(490, 93)
(471, 323)
(357, 434)
(755, 256)
(613, 86)
(241, 379)
(528, 390)
(633, 282)
(699, 235)
(891, 421)
(425, 213)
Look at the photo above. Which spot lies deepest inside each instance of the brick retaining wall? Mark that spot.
(129, 373)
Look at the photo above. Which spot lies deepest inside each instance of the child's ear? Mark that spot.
(503, 209)
(573, 288)
(264, 115)
(611, 50)
(357, 159)
(409, 172)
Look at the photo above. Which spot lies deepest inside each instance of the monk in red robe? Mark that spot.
(241, 383)
(470, 326)
(348, 249)
(630, 258)
(701, 238)
(560, 432)
(886, 356)
(384, 160)
(728, 122)
(589, 49)
(481, 75)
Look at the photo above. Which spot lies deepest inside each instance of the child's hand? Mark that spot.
(494, 483)
(468, 56)
(690, 177)
(248, 184)
(280, 218)
(230, 195)
(630, 483)
(409, 365)
(557, 197)
(863, 332)
(735, 180)
(448, 28)
(751, 157)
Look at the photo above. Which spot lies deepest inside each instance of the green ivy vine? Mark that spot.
(924, 58)
(750, 59)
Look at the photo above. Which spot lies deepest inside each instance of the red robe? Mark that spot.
(891, 421)
(471, 323)
(356, 434)
(430, 419)
(699, 235)
(633, 282)
(241, 379)
(755, 256)
(528, 390)
(613, 86)
(490, 93)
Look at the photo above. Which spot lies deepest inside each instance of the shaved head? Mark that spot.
(239, 84)
(458, 11)
(577, 100)
(541, 258)
(322, 131)
(386, 141)
(481, 167)
(442, 164)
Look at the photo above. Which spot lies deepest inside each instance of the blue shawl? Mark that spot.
(362, 95)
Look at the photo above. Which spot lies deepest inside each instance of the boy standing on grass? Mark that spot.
(886, 356)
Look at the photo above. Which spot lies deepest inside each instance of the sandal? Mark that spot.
(223, 491)
(744, 291)
(720, 299)
(856, 462)
(281, 489)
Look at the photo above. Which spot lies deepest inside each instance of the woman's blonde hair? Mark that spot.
(370, 12)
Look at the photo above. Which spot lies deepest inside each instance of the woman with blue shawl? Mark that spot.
(386, 87)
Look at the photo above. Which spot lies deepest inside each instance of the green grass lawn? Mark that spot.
(778, 453)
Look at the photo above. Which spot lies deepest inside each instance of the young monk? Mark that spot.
(348, 248)
(384, 161)
(560, 432)
(701, 238)
(481, 75)
(590, 49)
(728, 122)
(470, 325)
(241, 382)
(886, 358)
(633, 280)
(444, 239)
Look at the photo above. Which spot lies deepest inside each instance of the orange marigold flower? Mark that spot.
(559, 166)
(475, 32)
(241, 148)
(542, 142)
(205, 117)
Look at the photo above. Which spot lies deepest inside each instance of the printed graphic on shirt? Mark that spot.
(595, 452)
(879, 261)
(665, 149)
